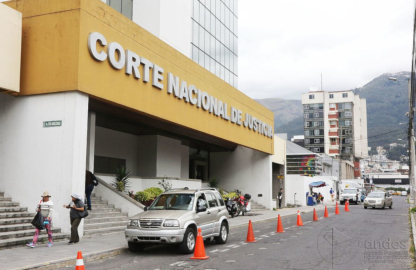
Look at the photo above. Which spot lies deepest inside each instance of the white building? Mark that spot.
(335, 123)
(76, 105)
(206, 31)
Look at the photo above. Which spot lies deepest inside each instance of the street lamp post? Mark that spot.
(411, 142)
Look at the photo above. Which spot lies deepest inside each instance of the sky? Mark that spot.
(285, 45)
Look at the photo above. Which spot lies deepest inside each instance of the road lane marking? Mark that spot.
(215, 251)
(231, 245)
(264, 236)
(224, 250)
(175, 264)
(262, 248)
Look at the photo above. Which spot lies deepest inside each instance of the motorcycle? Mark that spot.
(243, 204)
(231, 207)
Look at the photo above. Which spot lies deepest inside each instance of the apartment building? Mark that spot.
(335, 123)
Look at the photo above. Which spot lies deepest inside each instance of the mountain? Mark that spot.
(387, 104)
(284, 110)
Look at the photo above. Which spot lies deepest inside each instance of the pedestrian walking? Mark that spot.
(332, 194)
(45, 207)
(280, 198)
(77, 207)
(90, 182)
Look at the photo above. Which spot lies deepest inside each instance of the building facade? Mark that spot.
(204, 30)
(97, 91)
(335, 123)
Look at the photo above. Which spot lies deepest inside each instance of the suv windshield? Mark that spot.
(349, 191)
(173, 202)
(376, 195)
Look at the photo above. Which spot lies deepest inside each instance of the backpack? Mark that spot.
(94, 180)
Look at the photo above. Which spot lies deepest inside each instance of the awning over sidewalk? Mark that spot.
(317, 184)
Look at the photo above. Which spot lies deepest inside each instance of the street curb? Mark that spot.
(270, 219)
(412, 219)
(95, 256)
(70, 261)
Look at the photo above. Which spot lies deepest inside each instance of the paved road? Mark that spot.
(360, 239)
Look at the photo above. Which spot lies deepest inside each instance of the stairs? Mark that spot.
(255, 207)
(15, 227)
(104, 218)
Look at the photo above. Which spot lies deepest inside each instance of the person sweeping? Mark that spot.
(46, 208)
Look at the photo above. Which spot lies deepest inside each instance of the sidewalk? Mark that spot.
(97, 247)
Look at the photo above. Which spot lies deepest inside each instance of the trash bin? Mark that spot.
(310, 201)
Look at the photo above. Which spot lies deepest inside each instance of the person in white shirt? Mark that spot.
(46, 208)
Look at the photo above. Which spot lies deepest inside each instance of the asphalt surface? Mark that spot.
(359, 239)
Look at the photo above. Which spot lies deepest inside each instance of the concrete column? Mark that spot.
(91, 141)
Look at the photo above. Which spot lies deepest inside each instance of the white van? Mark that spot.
(404, 193)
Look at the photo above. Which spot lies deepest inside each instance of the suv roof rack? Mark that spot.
(200, 189)
(184, 188)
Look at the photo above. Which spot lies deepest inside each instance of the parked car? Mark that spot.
(378, 200)
(351, 195)
(174, 216)
(391, 192)
(403, 193)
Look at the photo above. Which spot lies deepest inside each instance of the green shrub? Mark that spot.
(231, 195)
(413, 210)
(120, 186)
(154, 191)
(143, 196)
(121, 179)
(213, 182)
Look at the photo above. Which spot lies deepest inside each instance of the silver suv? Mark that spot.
(175, 216)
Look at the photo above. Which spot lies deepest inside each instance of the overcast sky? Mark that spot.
(285, 44)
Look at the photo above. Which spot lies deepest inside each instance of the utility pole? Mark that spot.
(340, 151)
(411, 135)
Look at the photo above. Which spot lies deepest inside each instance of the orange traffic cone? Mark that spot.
(279, 225)
(250, 233)
(199, 253)
(326, 212)
(80, 262)
(299, 223)
(347, 206)
(315, 216)
(336, 209)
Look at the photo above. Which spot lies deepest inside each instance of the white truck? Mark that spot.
(352, 195)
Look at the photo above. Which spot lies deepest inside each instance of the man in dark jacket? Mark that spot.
(89, 187)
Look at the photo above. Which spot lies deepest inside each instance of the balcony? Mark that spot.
(333, 116)
(333, 151)
(333, 134)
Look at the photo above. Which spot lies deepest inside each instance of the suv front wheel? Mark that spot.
(222, 238)
(189, 239)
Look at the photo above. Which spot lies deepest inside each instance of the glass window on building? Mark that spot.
(125, 7)
(331, 95)
(306, 132)
(306, 107)
(344, 95)
(311, 96)
(332, 105)
(316, 132)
